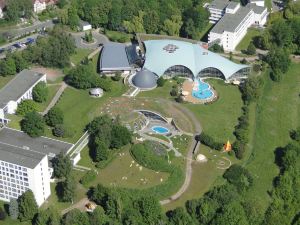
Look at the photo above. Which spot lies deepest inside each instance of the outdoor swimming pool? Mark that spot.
(201, 90)
(160, 130)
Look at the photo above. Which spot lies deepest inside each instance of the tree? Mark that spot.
(47, 217)
(98, 216)
(13, 209)
(40, 92)
(149, 208)
(27, 206)
(8, 67)
(151, 22)
(174, 92)
(62, 166)
(62, 3)
(239, 177)
(161, 82)
(216, 48)
(136, 24)
(295, 134)
(54, 117)
(251, 50)
(33, 124)
(276, 75)
(172, 26)
(2, 214)
(20, 62)
(25, 107)
(281, 33)
(76, 217)
(120, 136)
(100, 150)
(251, 89)
(82, 77)
(279, 59)
(68, 189)
(113, 206)
(180, 217)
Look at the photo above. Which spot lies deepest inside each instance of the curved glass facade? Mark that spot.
(242, 73)
(178, 70)
(211, 72)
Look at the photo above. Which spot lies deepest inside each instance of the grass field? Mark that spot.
(79, 108)
(5, 80)
(79, 55)
(277, 113)
(159, 91)
(243, 45)
(219, 118)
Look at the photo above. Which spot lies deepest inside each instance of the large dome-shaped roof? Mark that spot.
(144, 79)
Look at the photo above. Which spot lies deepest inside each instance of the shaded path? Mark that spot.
(78, 205)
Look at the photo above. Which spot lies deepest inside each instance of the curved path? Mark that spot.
(98, 39)
(189, 170)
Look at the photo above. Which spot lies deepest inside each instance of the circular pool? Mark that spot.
(202, 90)
(160, 130)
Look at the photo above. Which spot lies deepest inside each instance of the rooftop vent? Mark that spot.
(26, 147)
(170, 48)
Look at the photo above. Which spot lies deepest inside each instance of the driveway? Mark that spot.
(98, 39)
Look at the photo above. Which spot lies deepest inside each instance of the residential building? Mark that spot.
(25, 164)
(39, 5)
(217, 10)
(84, 26)
(232, 27)
(18, 89)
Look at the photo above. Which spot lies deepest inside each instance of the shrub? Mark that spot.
(251, 50)
(209, 141)
(61, 130)
(117, 76)
(88, 177)
(161, 82)
(25, 107)
(54, 117)
(174, 92)
(275, 75)
(179, 99)
(239, 149)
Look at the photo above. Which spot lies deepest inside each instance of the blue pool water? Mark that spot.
(160, 130)
(202, 90)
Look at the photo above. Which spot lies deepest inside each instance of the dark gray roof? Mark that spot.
(114, 57)
(219, 4)
(18, 86)
(256, 9)
(232, 5)
(144, 79)
(18, 148)
(229, 22)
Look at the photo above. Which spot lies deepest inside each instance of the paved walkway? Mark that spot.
(56, 98)
(78, 205)
(98, 39)
(188, 170)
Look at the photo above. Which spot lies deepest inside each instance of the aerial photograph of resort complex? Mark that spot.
(149, 112)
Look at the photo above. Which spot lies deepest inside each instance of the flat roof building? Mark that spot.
(18, 89)
(114, 58)
(232, 26)
(25, 164)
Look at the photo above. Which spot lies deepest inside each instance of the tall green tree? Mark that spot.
(75, 217)
(68, 189)
(40, 92)
(62, 166)
(14, 209)
(54, 117)
(27, 206)
(33, 124)
(172, 26)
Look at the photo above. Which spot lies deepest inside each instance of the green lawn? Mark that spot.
(79, 108)
(159, 91)
(219, 118)
(123, 171)
(243, 45)
(268, 4)
(79, 55)
(277, 113)
(5, 80)
(117, 36)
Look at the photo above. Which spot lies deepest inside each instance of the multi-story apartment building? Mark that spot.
(25, 164)
(232, 27)
(18, 89)
(217, 10)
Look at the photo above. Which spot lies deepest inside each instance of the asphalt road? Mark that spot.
(98, 39)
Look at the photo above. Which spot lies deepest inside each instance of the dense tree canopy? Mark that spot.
(40, 92)
(27, 206)
(33, 124)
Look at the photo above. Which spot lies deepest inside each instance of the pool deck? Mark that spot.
(187, 86)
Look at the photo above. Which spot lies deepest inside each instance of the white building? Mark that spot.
(18, 89)
(258, 2)
(217, 10)
(24, 164)
(39, 5)
(84, 26)
(232, 27)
